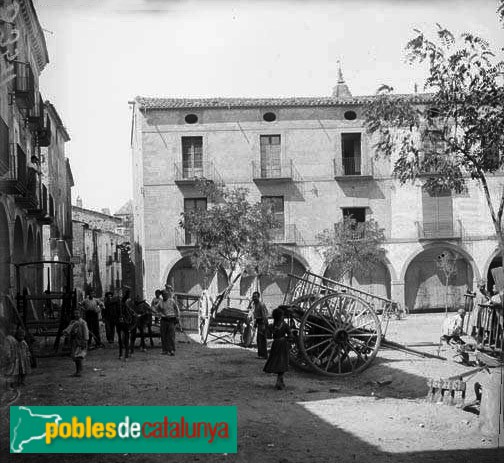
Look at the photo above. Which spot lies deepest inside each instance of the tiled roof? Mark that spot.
(188, 103)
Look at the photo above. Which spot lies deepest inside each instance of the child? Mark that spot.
(78, 333)
(18, 363)
(278, 360)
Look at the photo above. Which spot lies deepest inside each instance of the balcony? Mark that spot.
(109, 260)
(24, 85)
(44, 216)
(4, 148)
(189, 175)
(184, 239)
(30, 200)
(44, 132)
(275, 173)
(14, 181)
(35, 115)
(448, 230)
(353, 168)
(287, 235)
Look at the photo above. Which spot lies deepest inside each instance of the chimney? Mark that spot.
(79, 202)
(106, 211)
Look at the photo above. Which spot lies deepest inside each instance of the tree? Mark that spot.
(455, 132)
(352, 246)
(447, 263)
(234, 233)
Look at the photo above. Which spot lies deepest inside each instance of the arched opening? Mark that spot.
(4, 253)
(185, 278)
(18, 254)
(496, 262)
(273, 287)
(30, 246)
(375, 280)
(425, 282)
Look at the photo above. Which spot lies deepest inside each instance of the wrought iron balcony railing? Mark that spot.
(440, 230)
(14, 180)
(282, 171)
(288, 234)
(189, 174)
(353, 167)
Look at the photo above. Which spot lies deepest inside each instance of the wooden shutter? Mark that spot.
(192, 157)
(276, 203)
(437, 214)
(270, 156)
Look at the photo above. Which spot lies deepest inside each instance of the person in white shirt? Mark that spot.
(168, 311)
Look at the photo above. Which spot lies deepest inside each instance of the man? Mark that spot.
(477, 315)
(92, 317)
(111, 315)
(78, 333)
(260, 315)
(169, 313)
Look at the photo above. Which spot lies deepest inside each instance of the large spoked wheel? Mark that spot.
(339, 335)
(204, 318)
(294, 313)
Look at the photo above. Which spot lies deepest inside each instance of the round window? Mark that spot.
(350, 115)
(269, 117)
(191, 118)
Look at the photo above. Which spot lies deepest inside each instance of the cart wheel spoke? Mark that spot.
(314, 346)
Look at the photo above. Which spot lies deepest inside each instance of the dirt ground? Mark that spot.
(380, 415)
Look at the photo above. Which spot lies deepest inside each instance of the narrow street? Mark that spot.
(380, 415)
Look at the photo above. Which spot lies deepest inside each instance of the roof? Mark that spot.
(228, 103)
(57, 118)
(126, 209)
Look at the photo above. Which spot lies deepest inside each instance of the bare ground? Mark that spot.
(316, 419)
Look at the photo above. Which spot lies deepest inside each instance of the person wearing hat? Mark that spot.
(167, 309)
(481, 300)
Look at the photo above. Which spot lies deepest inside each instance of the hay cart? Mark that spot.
(337, 329)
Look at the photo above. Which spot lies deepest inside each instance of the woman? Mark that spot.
(278, 360)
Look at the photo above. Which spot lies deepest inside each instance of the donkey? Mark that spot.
(143, 313)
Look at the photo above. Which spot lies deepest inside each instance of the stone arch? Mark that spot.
(185, 278)
(5, 257)
(377, 280)
(424, 281)
(274, 287)
(494, 261)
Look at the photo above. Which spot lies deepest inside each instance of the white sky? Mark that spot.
(103, 53)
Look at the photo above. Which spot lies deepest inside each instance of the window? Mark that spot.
(437, 211)
(351, 153)
(356, 213)
(270, 156)
(192, 204)
(191, 119)
(350, 115)
(276, 204)
(192, 157)
(269, 117)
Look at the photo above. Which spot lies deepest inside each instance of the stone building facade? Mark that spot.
(313, 161)
(96, 253)
(35, 176)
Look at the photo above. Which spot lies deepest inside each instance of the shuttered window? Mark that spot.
(437, 213)
(191, 204)
(270, 156)
(192, 157)
(276, 204)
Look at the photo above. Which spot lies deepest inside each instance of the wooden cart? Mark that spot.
(337, 329)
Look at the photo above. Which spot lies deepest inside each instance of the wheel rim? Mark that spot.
(294, 315)
(339, 335)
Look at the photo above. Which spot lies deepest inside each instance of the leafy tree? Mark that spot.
(233, 233)
(352, 247)
(447, 263)
(456, 131)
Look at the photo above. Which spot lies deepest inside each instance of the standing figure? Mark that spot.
(92, 318)
(169, 313)
(18, 359)
(126, 323)
(78, 333)
(110, 315)
(278, 360)
(497, 324)
(260, 314)
(476, 325)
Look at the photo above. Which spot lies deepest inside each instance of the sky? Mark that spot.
(104, 53)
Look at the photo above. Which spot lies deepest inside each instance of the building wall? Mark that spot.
(311, 138)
